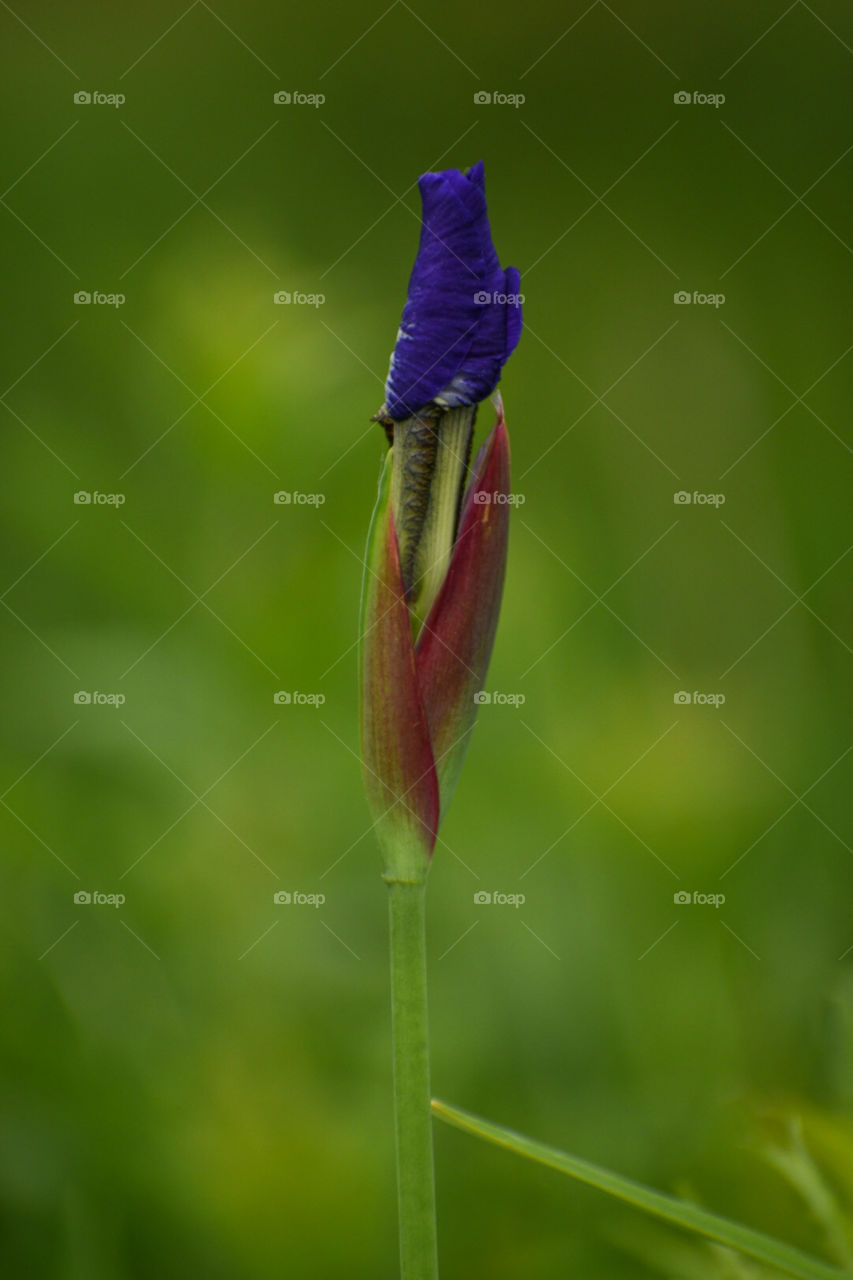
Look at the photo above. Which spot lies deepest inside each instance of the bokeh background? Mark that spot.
(196, 1081)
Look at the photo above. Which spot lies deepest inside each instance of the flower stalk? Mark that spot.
(434, 572)
(412, 1116)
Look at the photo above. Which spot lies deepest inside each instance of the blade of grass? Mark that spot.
(678, 1212)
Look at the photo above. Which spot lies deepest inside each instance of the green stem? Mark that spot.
(415, 1177)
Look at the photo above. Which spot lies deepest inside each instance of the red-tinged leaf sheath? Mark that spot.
(399, 769)
(454, 647)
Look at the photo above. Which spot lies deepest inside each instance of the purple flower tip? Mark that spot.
(462, 318)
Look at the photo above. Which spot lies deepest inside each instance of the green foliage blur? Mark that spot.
(197, 1081)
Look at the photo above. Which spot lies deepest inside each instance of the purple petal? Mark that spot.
(462, 319)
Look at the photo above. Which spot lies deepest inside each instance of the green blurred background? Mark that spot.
(197, 1082)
